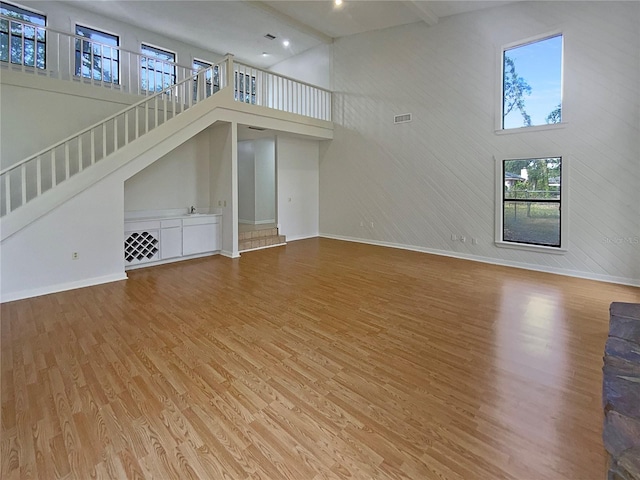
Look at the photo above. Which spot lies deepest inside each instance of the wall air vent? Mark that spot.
(404, 118)
(270, 37)
(257, 128)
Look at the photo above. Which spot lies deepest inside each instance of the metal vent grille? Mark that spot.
(140, 246)
(270, 37)
(404, 118)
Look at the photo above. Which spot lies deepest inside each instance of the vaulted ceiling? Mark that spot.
(239, 27)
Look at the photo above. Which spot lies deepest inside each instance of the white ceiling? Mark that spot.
(239, 26)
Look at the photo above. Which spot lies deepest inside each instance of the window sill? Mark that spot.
(537, 128)
(531, 248)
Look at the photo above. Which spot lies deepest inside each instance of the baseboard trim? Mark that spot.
(301, 237)
(504, 263)
(62, 287)
(262, 248)
(228, 254)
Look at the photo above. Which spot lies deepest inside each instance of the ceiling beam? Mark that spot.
(421, 8)
(292, 22)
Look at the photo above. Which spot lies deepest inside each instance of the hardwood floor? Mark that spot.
(321, 359)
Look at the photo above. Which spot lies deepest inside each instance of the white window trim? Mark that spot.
(75, 34)
(564, 202)
(500, 79)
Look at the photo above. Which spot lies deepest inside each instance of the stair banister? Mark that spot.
(181, 97)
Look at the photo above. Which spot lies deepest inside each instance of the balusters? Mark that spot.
(80, 162)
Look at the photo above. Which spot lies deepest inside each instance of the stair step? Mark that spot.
(260, 242)
(256, 234)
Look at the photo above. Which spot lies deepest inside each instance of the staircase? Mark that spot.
(260, 237)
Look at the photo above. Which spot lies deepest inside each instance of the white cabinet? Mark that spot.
(156, 239)
(200, 235)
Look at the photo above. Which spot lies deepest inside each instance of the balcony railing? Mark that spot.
(42, 51)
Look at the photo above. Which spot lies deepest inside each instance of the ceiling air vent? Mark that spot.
(404, 118)
(270, 37)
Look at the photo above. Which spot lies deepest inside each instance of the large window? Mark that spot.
(531, 203)
(23, 41)
(157, 68)
(97, 57)
(211, 78)
(532, 83)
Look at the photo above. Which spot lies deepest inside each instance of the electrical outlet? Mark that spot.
(225, 203)
(463, 238)
(474, 241)
(75, 256)
(219, 203)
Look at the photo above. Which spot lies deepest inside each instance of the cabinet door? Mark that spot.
(198, 239)
(171, 242)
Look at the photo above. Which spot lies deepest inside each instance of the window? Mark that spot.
(532, 83)
(157, 68)
(97, 57)
(245, 88)
(531, 202)
(23, 41)
(212, 79)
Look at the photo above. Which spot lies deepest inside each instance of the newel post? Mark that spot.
(229, 59)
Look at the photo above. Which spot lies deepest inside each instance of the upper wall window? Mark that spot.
(532, 83)
(97, 57)
(23, 41)
(157, 68)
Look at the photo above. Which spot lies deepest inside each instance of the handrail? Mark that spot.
(105, 120)
(270, 72)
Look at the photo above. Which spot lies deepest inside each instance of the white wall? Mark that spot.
(422, 181)
(39, 259)
(180, 179)
(298, 187)
(313, 66)
(265, 184)
(246, 182)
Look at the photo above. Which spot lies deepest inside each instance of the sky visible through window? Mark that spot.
(539, 64)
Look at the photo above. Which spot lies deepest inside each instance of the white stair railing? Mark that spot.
(43, 51)
(31, 177)
(267, 89)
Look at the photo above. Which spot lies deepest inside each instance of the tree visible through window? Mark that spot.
(157, 68)
(532, 83)
(531, 201)
(96, 56)
(23, 41)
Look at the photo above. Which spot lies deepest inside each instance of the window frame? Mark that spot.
(116, 48)
(214, 87)
(174, 64)
(563, 205)
(499, 84)
(36, 27)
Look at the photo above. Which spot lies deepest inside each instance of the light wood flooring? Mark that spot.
(321, 359)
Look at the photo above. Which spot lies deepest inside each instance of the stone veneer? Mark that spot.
(621, 392)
